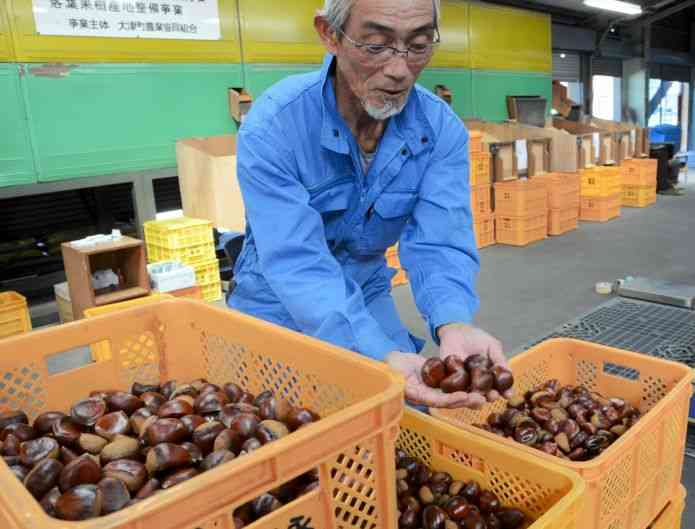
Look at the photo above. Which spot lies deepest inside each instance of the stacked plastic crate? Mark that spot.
(188, 241)
(521, 209)
(481, 191)
(392, 259)
(602, 193)
(639, 182)
(563, 201)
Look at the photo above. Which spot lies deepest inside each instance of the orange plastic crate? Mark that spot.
(484, 228)
(639, 172)
(14, 314)
(393, 261)
(401, 278)
(521, 198)
(549, 495)
(481, 199)
(600, 209)
(475, 141)
(561, 221)
(521, 231)
(631, 482)
(639, 196)
(601, 181)
(672, 516)
(563, 189)
(352, 445)
(480, 168)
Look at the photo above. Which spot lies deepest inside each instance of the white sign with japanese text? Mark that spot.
(167, 19)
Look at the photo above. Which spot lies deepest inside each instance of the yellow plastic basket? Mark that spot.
(548, 494)
(639, 196)
(14, 314)
(671, 517)
(212, 291)
(175, 234)
(207, 272)
(189, 255)
(601, 181)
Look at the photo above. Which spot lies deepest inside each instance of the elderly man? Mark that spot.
(338, 165)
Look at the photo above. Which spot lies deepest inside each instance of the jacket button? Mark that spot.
(336, 133)
(404, 152)
(425, 139)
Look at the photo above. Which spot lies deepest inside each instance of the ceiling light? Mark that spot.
(617, 6)
(563, 55)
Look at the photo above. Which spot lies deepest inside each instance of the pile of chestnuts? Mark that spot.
(115, 448)
(434, 500)
(475, 374)
(569, 422)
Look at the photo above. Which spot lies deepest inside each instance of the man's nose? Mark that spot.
(397, 67)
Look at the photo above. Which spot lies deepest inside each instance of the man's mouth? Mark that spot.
(392, 93)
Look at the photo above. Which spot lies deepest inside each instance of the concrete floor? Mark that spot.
(527, 292)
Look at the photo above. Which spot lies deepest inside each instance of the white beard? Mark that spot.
(388, 110)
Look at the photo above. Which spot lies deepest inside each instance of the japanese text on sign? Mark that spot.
(174, 19)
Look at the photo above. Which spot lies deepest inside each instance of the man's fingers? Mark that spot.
(492, 396)
(509, 394)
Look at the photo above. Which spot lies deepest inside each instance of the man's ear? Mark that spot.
(326, 33)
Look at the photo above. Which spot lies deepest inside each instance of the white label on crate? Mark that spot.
(521, 155)
(168, 19)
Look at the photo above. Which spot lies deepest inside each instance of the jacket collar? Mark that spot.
(411, 125)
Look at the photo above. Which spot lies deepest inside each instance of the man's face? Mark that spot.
(382, 82)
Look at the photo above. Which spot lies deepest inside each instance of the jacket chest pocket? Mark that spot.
(387, 219)
(332, 201)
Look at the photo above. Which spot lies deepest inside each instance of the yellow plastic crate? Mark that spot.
(212, 291)
(190, 255)
(671, 517)
(639, 196)
(207, 272)
(102, 350)
(14, 314)
(601, 181)
(179, 233)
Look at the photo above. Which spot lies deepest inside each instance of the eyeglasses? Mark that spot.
(415, 53)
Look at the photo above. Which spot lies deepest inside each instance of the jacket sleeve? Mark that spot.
(293, 251)
(438, 248)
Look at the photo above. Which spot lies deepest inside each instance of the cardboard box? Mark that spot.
(608, 149)
(208, 182)
(504, 162)
(539, 156)
(239, 103)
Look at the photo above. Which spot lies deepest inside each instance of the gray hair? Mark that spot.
(337, 12)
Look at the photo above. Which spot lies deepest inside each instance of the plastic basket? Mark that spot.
(178, 233)
(484, 229)
(101, 350)
(631, 482)
(189, 255)
(563, 189)
(561, 221)
(166, 276)
(547, 493)
(212, 291)
(639, 196)
(207, 272)
(481, 199)
(521, 198)
(475, 141)
(393, 261)
(521, 231)
(14, 314)
(352, 446)
(671, 517)
(639, 172)
(601, 181)
(480, 168)
(600, 209)
(401, 278)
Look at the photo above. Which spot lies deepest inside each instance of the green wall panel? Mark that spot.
(458, 81)
(16, 158)
(489, 91)
(100, 119)
(260, 77)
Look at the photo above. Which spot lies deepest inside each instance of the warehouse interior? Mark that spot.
(115, 139)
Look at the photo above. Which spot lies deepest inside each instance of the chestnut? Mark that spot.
(102, 393)
(66, 431)
(210, 402)
(425, 494)
(474, 521)
(153, 401)
(122, 447)
(492, 522)
(541, 415)
(31, 452)
(457, 381)
(131, 472)
(21, 431)
(233, 392)
(166, 431)
(245, 424)
(433, 517)
(43, 477)
(478, 362)
(579, 439)
(184, 390)
(408, 520)
(87, 411)
(246, 398)
(503, 379)
(80, 503)
(269, 431)
(12, 417)
(111, 425)
(569, 427)
(196, 453)
(229, 440)
(138, 389)
(43, 424)
(191, 422)
(67, 455)
(138, 418)
(177, 476)
(265, 504)
(456, 487)
(421, 475)
(125, 402)
(511, 518)
(482, 380)
(471, 492)
(454, 363)
(81, 471)
(488, 502)
(216, 458)
(148, 489)
(115, 495)
(409, 502)
(299, 417)
(166, 456)
(91, 443)
(433, 372)
(563, 442)
(204, 436)
(49, 501)
(168, 389)
(526, 434)
(457, 508)
(250, 445)
(275, 408)
(20, 471)
(175, 409)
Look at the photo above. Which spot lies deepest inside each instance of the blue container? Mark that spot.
(666, 134)
(692, 408)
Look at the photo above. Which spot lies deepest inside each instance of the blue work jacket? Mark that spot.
(318, 226)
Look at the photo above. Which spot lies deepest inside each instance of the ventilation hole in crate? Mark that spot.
(468, 416)
(618, 523)
(586, 374)
(653, 390)
(532, 377)
(620, 371)
(523, 493)
(353, 479)
(648, 457)
(665, 480)
(137, 357)
(615, 489)
(23, 389)
(640, 511)
(462, 458)
(415, 444)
